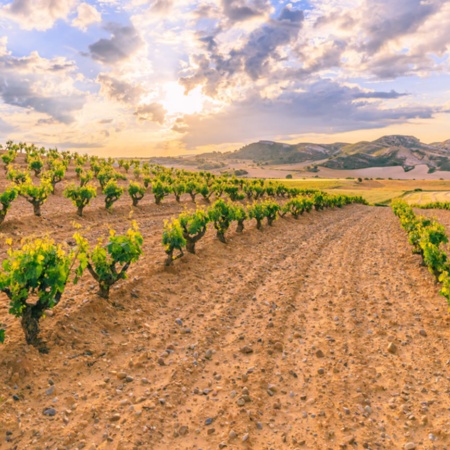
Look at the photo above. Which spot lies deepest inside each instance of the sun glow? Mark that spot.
(176, 102)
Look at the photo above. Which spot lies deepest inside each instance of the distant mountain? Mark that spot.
(395, 150)
(278, 153)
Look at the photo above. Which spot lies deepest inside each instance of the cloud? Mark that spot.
(37, 14)
(238, 10)
(321, 107)
(124, 42)
(398, 19)
(382, 95)
(40, 84)
(119, 90)
(254, 58)
(154, 112)
(86, 15)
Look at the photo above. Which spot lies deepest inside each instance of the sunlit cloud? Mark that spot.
(190, 75)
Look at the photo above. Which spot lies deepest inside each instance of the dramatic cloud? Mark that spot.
(43, 85)
(38, 14)
(237, 10)
(119, 90)
(208, 72)
(397, 19)
(86, 15)
(125, 40)
(324, 106)
(154, 112)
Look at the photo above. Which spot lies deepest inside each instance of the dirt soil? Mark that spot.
(318, 333)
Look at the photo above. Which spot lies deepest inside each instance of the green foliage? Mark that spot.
(6, 198)
(113, 192)
(18, 176)
(9, 157)
(160, 190)
(297, 206)
(178, 188)
(192, 188)
(258, 212)
(193, 225)
(34, 278)
(36, 164)
(109, 263)
(271, 209)
(136, 191)
(428, 238)
(55, 175)
(233, 192)
(80, 196)
(106, 175)
(240, 215)
(221, 213)
(36, 195)
(85, 177)
(172, 240)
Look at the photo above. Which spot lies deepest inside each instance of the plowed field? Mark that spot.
(277, 340)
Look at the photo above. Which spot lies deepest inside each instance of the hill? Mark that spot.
(394, 150)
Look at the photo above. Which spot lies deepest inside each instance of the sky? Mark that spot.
(169, 77)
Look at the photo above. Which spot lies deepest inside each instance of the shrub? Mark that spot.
(173, 240)
(257, 212)
(36, 195)
(36, 164)
(18, 176)
(34, 278)
(136, 191)
(6, 198)
(194, 227)
(80, 196)
(240, 215)
(221, 213)
(112, 192)
(109, 263)
(160, 190)
(271, 211)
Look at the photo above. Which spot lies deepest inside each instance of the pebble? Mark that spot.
(392, 348)
(222, 445)
(16, 398)
(246, 349)
(208, 354)
(129, 379)
(183, 430)
(121, 375)
(179, 322)
(211, 430)
(423, 333)
(115, 417)
(320, 354)
(50, 412)
(240, 401)
(278, 346)
(209, 421)
(321, 371)
(410, 446)
(232, 434)
(245, 437)
(50, 390)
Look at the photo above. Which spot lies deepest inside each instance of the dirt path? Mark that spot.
(278, 339)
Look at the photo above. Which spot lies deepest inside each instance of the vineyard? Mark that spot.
(146, 307)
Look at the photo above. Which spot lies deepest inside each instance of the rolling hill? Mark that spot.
(394, 150)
